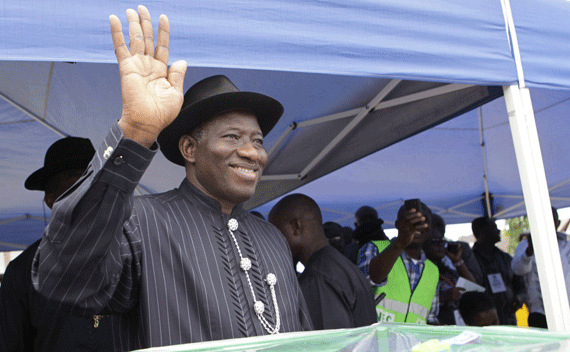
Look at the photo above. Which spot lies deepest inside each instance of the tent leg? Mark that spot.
(537, 202)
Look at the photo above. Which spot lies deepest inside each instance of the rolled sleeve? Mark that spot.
(365, 255)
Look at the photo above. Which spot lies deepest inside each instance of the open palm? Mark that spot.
(152, 93)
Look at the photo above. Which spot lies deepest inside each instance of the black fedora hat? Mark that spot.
(208, 98)
(65, 154)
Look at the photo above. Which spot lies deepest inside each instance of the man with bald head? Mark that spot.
(337, 294)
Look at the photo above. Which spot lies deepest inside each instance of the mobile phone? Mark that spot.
(452, 247)
(413, 204)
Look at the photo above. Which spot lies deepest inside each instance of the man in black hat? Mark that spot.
(191, 264)
(28, 321)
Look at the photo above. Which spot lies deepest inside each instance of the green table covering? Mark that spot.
(393, 338)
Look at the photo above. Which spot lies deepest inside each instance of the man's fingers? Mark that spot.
(162, 40)
(412, 214)
(121, 50)
(418, 221)
(136, 39)
(146, 26)
(176, 75)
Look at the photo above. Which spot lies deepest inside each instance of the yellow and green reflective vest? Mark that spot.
(400, 304)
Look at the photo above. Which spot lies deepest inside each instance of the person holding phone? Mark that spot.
(403, 280)
(465, 260)
(437, 249)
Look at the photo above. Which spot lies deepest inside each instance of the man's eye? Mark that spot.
(258, 141)
(232, 136)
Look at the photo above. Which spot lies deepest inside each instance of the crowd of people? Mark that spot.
(394, 268)
(114, 272)
(415, 275)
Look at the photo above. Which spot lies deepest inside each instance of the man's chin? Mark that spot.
(242, 196)
(415, 244)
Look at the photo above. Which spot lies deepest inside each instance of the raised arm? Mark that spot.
(89, 255)
(522, 260)
(412, 222)
(459, 264)
(152, 93)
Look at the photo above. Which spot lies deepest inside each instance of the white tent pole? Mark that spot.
(520, 204)
(535, 191)
(280, 177)
(281, 139)
(16, 246)
(34, 116)
(361, 115)
(445, 89)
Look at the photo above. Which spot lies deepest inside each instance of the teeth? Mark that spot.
(242, 169)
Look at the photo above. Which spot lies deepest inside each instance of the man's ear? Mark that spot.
(296, 226)
(187, 146)
(49, 199)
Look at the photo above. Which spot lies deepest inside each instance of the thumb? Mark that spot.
(176, 74)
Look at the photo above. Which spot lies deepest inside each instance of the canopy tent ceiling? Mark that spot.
(317, 58)
(303, 96)
(446, 166)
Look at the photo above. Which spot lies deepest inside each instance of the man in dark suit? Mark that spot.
(190, 264)
(506, 288)
(337, 293)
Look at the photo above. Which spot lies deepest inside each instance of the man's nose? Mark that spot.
(247, 150)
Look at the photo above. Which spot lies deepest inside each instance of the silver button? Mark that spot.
(259, 307)
(108, 152)
(118, 160)
(233, 224)
(245, 264)
(271, 279)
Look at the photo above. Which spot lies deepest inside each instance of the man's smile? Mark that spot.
(246, 171)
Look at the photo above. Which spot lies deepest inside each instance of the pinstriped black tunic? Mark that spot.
(163, 268)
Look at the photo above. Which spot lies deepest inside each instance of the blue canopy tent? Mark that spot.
(447, 166)
(345, 72)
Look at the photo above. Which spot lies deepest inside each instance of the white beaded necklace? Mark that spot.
(271, 279)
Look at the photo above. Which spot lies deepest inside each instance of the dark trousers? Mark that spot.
(537, 320)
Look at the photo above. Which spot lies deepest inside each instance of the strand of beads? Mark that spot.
(271, 280)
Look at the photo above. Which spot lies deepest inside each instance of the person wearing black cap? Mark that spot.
(335, 234)
(28, 321)
(368, 227)
(190, 264)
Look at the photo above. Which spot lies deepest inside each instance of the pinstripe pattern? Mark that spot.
(163, 265)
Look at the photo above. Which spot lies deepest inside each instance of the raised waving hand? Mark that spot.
(152, 93)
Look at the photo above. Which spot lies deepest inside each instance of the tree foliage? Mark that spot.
(514, 228)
